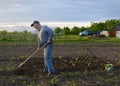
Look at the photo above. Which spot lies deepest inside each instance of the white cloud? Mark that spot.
(50, 24)
(26, 25)
(58, 10)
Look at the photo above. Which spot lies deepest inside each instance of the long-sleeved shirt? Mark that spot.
(45, 34)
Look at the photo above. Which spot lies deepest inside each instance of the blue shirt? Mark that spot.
(45, 34)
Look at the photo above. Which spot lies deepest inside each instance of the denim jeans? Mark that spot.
(48, 58)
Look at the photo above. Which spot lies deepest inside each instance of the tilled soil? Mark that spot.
(68, 57)
(76, 64)
(108, 51)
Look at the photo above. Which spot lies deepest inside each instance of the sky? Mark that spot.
(24, 11)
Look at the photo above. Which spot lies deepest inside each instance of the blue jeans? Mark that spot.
(48, 58)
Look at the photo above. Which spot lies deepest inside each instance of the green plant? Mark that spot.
(24, 82)
(63, 59)
(75, 30)
(13, 81)
(9, 68)
(100, 78)
(72, 63)
(108, 66)
(54, 81)
(77, 59)
(66, 31)
(67, 74)
(31, 84)
(71, 74)
(58, 30)
(23, 57)
(73, 83)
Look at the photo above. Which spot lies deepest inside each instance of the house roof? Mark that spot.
(117, 27)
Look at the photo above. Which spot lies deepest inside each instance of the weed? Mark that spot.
(72, 63)
(23, 57)
(9, 68)
(63, 59)
(13, 81)
(73, 83)
(54, 81)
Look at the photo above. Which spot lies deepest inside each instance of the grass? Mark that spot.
(77, 38)
(65, 39)
(70, 74)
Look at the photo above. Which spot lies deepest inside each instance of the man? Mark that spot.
(45, 36)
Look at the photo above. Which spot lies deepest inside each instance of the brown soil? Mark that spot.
(36, 66)
(74, 57)
(69, 57)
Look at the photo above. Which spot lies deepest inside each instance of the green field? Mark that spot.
(28, 37)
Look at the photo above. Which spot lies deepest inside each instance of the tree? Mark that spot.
(66, 31)
(3, 35)
(58, 30)
(97, 26)
(83, 29)
(75, 30)
(4, 32)
(111, 24)
(25, 32)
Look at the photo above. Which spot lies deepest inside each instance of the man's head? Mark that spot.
(36, 25)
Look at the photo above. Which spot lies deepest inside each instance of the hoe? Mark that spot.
(20, 65)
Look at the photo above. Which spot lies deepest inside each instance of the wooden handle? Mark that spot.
(31, 56)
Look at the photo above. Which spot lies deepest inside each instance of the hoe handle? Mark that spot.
(31, 56)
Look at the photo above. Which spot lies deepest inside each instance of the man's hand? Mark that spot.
(38, 49)
(41, 44)
(49, 41)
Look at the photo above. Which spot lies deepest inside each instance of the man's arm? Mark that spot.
(50, 34)
(40, 44)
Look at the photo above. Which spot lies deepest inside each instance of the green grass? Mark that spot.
(59, 38)
(76, 38)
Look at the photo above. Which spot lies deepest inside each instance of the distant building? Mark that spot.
(117, 29)
(104, 33)
(115, 32)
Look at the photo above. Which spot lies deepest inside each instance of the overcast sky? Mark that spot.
(58, 10)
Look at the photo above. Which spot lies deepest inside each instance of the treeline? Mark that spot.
(100, 26)
(27, 36)
(17, 36)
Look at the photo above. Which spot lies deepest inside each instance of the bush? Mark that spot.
(17, 36)
(75, 30)
(58, 30)
(66, 31)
